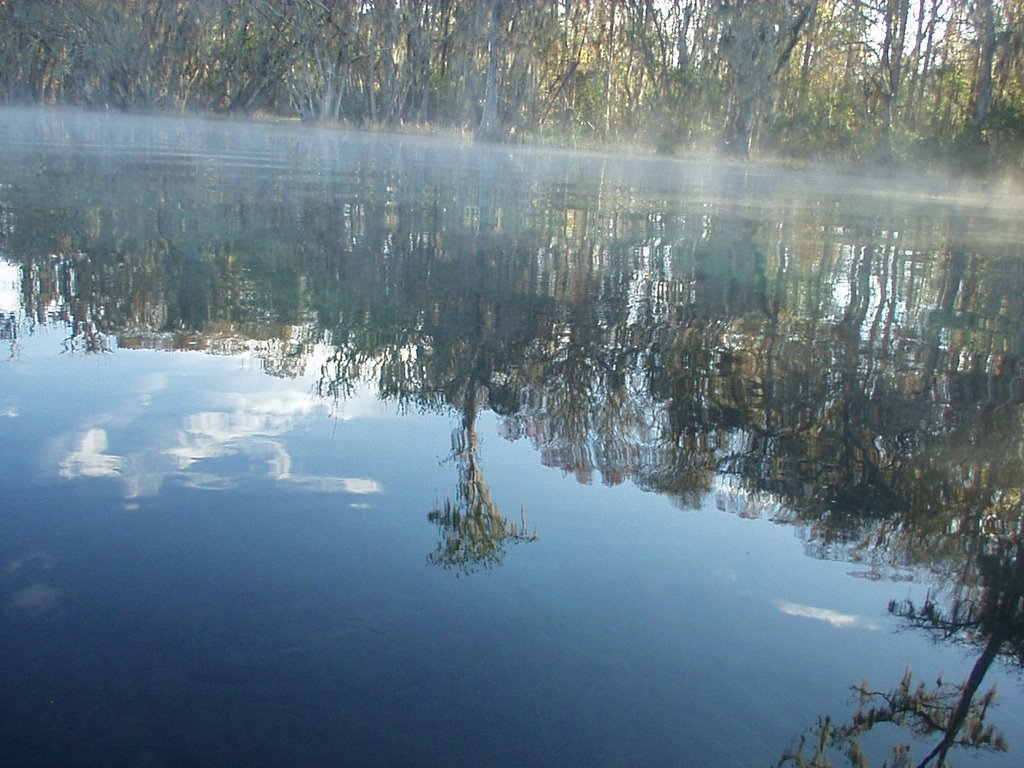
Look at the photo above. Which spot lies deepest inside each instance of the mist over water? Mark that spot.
(358, 449)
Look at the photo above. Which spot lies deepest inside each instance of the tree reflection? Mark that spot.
(473, 531)
(920, 709)
(987, 614)
(834, 358)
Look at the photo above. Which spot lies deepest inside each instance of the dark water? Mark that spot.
(323, 449)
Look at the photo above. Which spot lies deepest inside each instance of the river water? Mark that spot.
(323, 448)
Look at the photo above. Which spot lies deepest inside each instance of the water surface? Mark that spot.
(334, 449)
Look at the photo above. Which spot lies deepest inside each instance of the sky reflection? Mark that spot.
(535, 462)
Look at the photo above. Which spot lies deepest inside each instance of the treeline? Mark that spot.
(847, 79)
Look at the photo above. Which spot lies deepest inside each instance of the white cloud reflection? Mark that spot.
(247, 429)
(214, 434)
(835, 618)
(359, 486)
(90, 459)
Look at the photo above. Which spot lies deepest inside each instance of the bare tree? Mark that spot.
(489, 127)
(756, 41)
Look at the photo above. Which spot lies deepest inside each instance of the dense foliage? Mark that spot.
(851, 79)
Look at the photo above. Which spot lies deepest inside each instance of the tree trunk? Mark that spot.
(967, 694)
(609, 64)
(489, 128)
(740, 129)
(895, 19)
(984, 21)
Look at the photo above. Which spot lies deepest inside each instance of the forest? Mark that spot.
(924, 82)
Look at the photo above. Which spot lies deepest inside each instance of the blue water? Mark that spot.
(203, 564)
